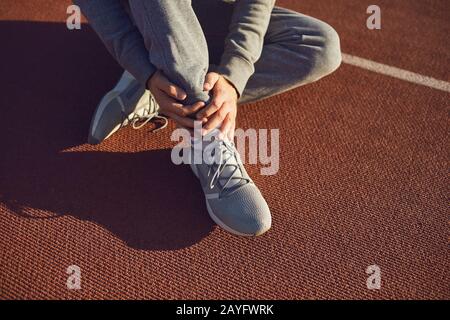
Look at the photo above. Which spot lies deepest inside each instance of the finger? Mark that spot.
(182, 110)
(210, 109)
(215, 121)
(182, 121)
(231, 131)
(194, 108)
(210, 80)
(168, 104)
(176, 108)
(226, 126)
(172, 90)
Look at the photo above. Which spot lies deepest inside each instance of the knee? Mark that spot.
(328, 57)
(310, 48)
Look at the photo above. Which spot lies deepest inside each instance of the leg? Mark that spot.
(298, 50)
(180, 52)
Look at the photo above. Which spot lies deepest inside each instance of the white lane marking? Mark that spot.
(396, 72)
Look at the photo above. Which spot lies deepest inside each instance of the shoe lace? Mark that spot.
(225, 168)
(140, 118)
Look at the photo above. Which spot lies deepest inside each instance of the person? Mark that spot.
(197, 60)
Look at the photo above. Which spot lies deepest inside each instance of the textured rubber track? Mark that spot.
(362, 180)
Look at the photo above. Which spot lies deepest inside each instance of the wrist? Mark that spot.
(232, 88)
(148, 83)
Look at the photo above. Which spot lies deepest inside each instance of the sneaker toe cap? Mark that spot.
(244, 212)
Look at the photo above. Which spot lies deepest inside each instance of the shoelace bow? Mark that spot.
(225, 148)
(138, 121)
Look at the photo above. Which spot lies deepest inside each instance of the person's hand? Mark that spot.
(169, 97)
(222, 110)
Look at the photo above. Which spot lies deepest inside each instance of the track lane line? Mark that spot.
(396, 72)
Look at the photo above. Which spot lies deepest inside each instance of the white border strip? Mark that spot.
(396, 72)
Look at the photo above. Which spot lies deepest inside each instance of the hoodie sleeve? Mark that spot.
(244, 43)
(121, 37)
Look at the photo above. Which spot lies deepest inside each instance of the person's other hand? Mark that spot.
(221, 112)
(169, 97)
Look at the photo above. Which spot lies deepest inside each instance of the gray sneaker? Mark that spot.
(128, 103)
(232, 199)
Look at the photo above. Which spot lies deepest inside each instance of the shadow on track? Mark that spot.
(51, 81)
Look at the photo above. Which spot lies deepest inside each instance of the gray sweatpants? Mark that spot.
(297, 50)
